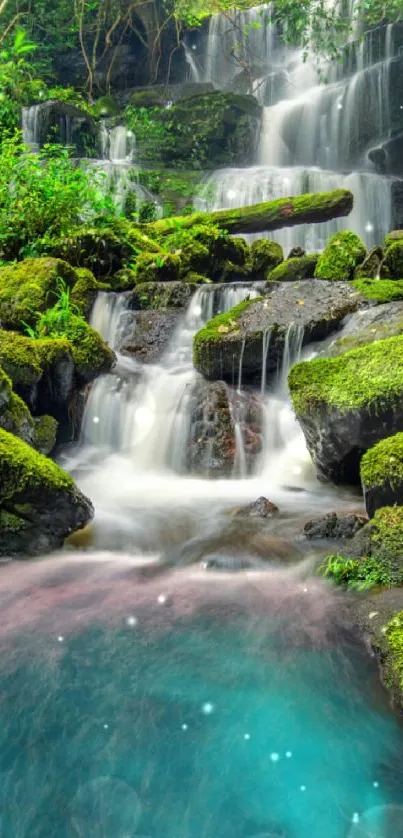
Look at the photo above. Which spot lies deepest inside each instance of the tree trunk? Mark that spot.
(262, 218)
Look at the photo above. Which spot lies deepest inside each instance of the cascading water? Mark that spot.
(315, 136)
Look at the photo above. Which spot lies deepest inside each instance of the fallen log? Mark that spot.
(312, 208)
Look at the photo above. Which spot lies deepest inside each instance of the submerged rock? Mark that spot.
(226, 430)
(260, 508)
(381, 471)
(250, 338)
(334, 526)
(347, 404)
(39, 503)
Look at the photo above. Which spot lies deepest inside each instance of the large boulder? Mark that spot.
(347, 404)
(381, 472)
(343, 252)
(206, 131)
(266, 255)
(226, 431)
(392, 265)
(251, 337)
(39, 503)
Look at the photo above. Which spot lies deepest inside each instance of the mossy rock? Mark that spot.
(39, 502)
(371, 265)
(345, 405)
(295, 312)
(265, 255)
(381, 472)
(91, 355)
(106, 106)
(207, 250)
(42, 371)
(393, 236)
(123, 280)
(380, 290)
(16, 418)
(151, 267)
(156, 295)
(392, 265)
(294, 269)
(101, 248)
(85, 290)
(343, 252)
(209, 130)
(29, 287)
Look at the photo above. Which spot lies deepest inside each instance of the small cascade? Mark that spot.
(31, 127)
(118, 144)
(370, 218)
(145, 410)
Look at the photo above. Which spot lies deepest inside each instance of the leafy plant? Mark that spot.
(43, 194)
(356, 575)
(58, 320)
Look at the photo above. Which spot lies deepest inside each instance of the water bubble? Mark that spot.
(60, 638)
(207, 708)
(105, 807)
(288, 754)
(246, 736)
(339, 107)
(375, 784)
(96, 420)
(231, 194)
(106, 727)
(369, 227)
(355, 818)
(184, 727)
(274, 757)
(302, 788)
(162, 599)
(379, 822)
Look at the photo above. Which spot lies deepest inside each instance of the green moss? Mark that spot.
(383, 463)
(392, 265)
(85, 290)
(381, 290)
(123, 280)
(45, 434)
(361, 377)
(5, 389)
(152, 267)
(22, 468)
(265, 255)
(393, 236)
(394, 635)
(91, 355)
(25, 359)
(106, 106)
(295, 269)
(223, 324)
(343, 252)
(29, 287)
(10, 523)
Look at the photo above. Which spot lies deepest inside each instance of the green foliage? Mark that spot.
(392, 265)
(57, 321)
(152, 136)
(43, 194)
(357, 575)
(294, 269)
(147, 212)
(363, 377)
(394, 635)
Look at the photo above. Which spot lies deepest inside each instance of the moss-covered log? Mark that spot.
(311, 208)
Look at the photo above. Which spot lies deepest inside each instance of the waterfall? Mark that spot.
(145, 409)
(315, 136)
(118, 144)
(31, 127)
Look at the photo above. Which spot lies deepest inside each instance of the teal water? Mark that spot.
(187, 707)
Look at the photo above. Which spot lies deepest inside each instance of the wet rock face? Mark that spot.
(260, 508)
(151, 335)
(368, 325)
(334, 526)
(59, 122)
(226, 431)
(254, 334)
